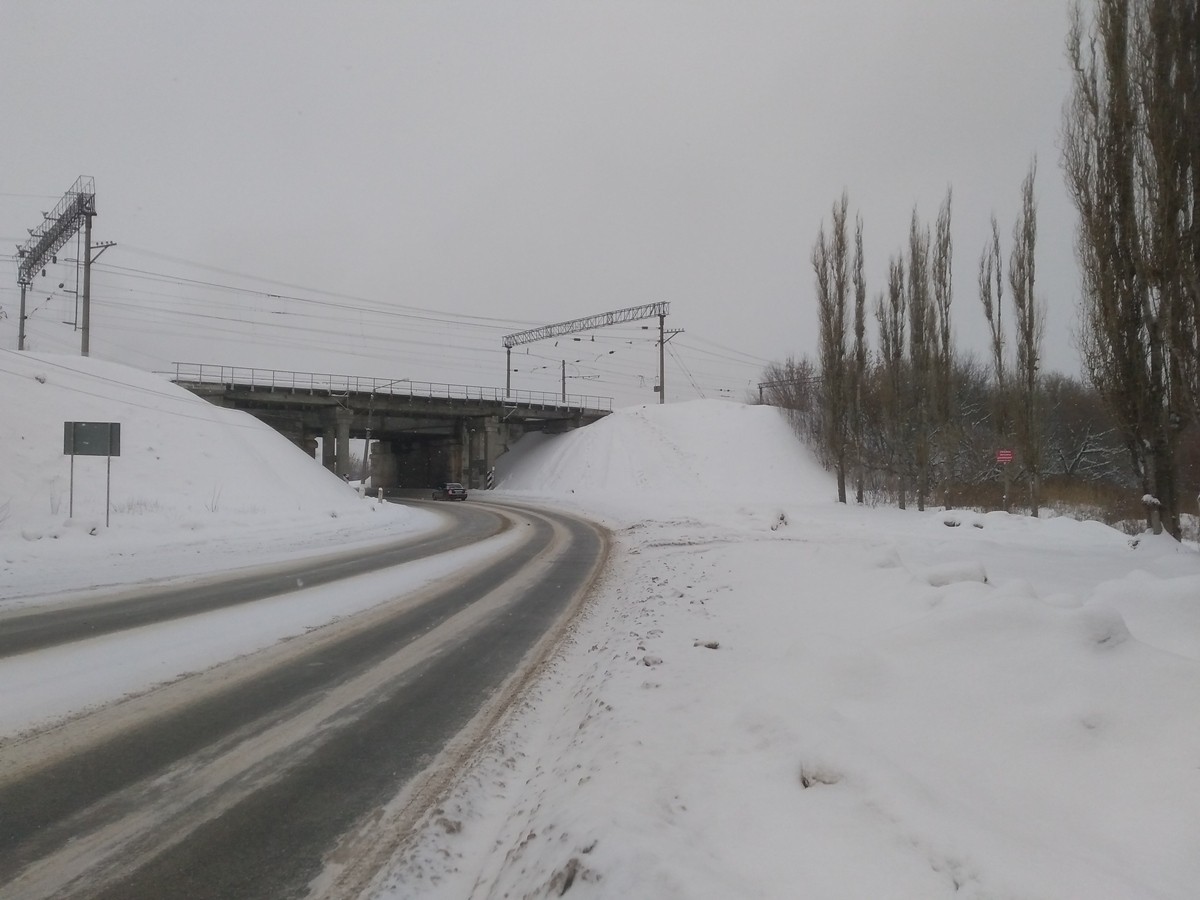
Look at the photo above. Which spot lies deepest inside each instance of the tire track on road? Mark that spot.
(300, 751)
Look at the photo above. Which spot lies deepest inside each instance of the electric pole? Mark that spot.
(662, 359)
(84, 340)
(21, 323)
(663, 337)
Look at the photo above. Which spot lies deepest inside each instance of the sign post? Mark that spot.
(92, 439)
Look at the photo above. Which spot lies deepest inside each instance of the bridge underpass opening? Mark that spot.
(414, 434)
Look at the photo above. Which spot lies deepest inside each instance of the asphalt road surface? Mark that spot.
(48, 627)
(295, 771)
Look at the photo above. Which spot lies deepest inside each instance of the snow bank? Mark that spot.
(661, 460)
(213, 484)
(772, 695)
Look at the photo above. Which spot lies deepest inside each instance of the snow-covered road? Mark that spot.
(403, 668)
(768, 696)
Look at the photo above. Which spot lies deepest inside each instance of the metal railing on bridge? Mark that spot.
(316, 382)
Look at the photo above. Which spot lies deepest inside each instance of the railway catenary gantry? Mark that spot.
(591, 323)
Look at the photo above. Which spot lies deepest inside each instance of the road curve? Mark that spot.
(21, 632)
(261, 777)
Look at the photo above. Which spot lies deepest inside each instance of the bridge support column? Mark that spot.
(335, 442)
(384, 469)
(343, 418)
(485, 446)
(328, 447)
(491, 448)
(458, 451)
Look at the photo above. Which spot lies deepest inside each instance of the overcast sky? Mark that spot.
(415, 180)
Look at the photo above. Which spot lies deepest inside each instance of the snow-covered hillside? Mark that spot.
(776, 696)
(699, 453)
(196, 488)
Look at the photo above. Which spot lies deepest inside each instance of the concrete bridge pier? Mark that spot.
(487, 440)
(382, 465)
(328, 447)
(335, 442)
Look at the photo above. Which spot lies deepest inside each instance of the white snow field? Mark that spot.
(774, 696)
(769, 695)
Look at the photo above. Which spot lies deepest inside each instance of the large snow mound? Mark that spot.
(217, 485)
(703, 451)
(822, 700)
(178, 452)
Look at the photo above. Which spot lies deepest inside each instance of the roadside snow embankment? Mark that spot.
(772, 695)
(196, 488)
(661, 462)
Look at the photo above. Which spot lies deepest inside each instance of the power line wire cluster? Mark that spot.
(237, 318)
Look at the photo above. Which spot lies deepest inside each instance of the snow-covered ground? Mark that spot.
(773, 696)
(195, 489)
(769, 695)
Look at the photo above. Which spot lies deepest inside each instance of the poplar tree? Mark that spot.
(1029, 323)
(1131, 151)
(991, 295)
(858, 367)
(942, 400)
(829, 261)
(920, 350)
(890, 312)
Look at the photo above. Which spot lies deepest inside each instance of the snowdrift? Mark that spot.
(775, 695)
(196, 487)
(180, 455)
(681, 455)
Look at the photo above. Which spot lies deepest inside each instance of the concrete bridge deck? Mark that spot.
(419, 433)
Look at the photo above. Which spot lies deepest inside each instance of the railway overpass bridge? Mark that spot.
(419, 433)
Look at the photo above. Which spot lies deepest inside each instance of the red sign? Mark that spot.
(1004, 456)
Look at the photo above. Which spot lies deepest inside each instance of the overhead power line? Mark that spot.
(587, 323)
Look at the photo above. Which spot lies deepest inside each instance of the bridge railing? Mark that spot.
(314, 382)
